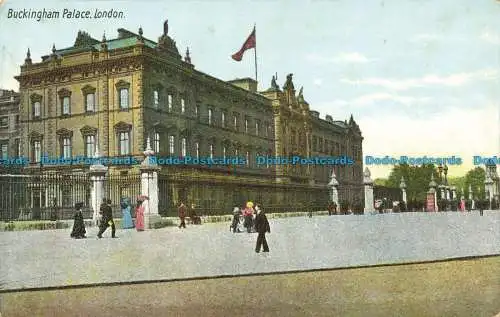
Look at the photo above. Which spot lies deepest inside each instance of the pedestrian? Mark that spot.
(236, 219)
(195, 219)
(127, 222)
(78, 231)
(107, 219)
(182, 215)
(262, 227)
(139, 212)
(330, 208)
(248, 215)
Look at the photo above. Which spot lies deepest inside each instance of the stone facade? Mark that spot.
(9, 124)
(112, 95)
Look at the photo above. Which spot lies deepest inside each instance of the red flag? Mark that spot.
(249, 43)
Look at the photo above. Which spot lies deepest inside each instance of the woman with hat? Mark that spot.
(127, 222)
(139, 213)
(78, 231)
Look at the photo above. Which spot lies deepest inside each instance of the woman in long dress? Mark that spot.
(139, 213)
(78, 231)
(127, 222)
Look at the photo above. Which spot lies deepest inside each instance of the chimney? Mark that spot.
(329, 118)
(245, 83)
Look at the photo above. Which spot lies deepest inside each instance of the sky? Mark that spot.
(420, 77)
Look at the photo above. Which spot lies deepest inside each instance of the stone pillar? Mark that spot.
(488, 188)
(368, 182)
(448, 193)
(97, 173)
(149, 187)
(333, 185)
(402, 185)
(453, 193)
(470, 192)
(432, 190)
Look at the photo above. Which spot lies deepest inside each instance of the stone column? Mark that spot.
(333, 185)
(432, 189)
(453, 193)
(97, 173)
(470, 192)
(488, 188)
(368, 182)
(402, 185)
(149, 187)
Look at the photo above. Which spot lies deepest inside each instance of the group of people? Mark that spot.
(253, 220)
(191, 213)
(106, 218)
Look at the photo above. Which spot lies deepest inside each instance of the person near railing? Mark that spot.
(107, 219)
(182, 215)
(236, 219)
(195, 219)
(127, 222)
(78, 231)
(248, 214)
(139, 213)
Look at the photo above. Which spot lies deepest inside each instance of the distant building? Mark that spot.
(110, 95)
(10, 144)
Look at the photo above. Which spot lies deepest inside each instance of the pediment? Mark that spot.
(88, 130)
(64, 132)
(122, 84)
(36, 97)
(123, 126)
(35, 135)
(87, 89)
(64, 92)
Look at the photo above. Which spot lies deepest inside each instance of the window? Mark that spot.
(224, 152)
(65, 106)
(17, 145)
(90, 102)
(183, 105)
(183, 147)
(156, 142)
(171, 144)
(124, 144)
(197, 149)
(17, 119)
(36, 151)
(236, 152)
(247, 156)
(156, 99)
(124, 98)
(4, 150)
(246, 125)
(170, 101)
(66, 147)
(90, 145)
(223, 119)
(37, 109)
(257, 127)
(235, 122)
(4, 122)
(268, 128)
(211, 151)
(210, 112)
(197, 111)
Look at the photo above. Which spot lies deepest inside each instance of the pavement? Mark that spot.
(34, 259)
(458, 288)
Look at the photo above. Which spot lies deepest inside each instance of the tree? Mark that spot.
(475, 178)
(417, 179)
(380, 181)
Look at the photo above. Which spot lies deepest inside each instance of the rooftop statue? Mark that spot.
(289, 83)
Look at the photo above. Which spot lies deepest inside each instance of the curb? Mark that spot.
(157, 281)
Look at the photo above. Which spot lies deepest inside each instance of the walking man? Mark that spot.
(261, 226)
(107, 219)
(182, 215)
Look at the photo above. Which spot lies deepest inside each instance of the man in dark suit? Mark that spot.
(107, 218)
(261, 226)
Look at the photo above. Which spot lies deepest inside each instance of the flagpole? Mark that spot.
(255, 52)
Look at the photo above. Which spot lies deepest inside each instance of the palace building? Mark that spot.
(9, 124)
(111, 95)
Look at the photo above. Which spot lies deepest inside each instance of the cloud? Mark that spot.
(395, 135)
(425, 37)
(376, 97)
(453, 80)
(318, 82)
(490, 37)
(350, 57)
